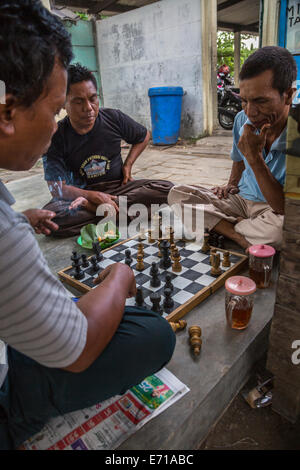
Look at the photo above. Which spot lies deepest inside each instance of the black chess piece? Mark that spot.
(166, 261)
(75, 258)
(214, 238)
(79, 274)
(168, 301)
(97, 250)
(128, 259)
(168, 284)
(221, 240)
(95, 268)
(139, 298)
(154, 272)
(85, 262)
(155, 299)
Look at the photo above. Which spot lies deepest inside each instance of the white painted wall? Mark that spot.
(157, 45)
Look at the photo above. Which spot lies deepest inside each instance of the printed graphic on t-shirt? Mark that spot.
(95, 166)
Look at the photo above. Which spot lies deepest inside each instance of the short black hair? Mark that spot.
(78, 73)
(274, 58)
(30, 40)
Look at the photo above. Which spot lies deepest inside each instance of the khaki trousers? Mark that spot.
(260, 225)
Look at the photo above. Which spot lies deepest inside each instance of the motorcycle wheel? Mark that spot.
(227, 121)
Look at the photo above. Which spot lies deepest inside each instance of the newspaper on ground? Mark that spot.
(106, 425)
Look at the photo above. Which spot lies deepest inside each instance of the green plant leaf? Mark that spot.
(88, 236)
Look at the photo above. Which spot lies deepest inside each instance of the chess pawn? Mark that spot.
(139, 298)
(79, 274)
(226, 261)
(173, 248)
(205, 247)
(150, 239)
(140, 263)
(174, 252)
(195, 339)
(176, 266)
(95, 267)
(178, 325)
(128, 258)
(85, 262)
(168, 303)
(168, 284)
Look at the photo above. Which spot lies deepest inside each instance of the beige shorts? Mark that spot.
(260, 225)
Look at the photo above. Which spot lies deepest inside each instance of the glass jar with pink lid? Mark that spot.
(239, 301)
(260, 264)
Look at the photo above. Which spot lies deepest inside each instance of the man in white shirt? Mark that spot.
(61, 356)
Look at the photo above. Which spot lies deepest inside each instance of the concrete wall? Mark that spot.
(157, 45)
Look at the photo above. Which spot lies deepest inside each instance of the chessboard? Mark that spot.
(193, 284)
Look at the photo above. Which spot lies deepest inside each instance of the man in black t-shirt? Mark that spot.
(83, 166)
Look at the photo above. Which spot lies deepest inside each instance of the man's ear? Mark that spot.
(290, 95)
(7, 112)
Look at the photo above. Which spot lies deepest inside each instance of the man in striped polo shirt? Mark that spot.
(55, 356)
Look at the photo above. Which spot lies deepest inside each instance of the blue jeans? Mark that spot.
(32, 393)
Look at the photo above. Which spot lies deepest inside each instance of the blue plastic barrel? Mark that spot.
(166, 105)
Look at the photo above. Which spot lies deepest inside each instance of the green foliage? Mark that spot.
(225, 47)
(83, 16)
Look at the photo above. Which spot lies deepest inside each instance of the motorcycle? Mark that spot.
(226, 79)
(229, 105)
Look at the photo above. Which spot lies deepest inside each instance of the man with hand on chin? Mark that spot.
(250, 208)
(84, 168)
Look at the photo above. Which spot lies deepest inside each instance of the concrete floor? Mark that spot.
(227, 358)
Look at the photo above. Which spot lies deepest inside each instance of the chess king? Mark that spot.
(55, 347)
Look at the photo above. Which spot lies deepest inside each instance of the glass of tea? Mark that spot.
(260, 264)
(239, 301)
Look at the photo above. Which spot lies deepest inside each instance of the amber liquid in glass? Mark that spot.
(261, 279)
(240, 317)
